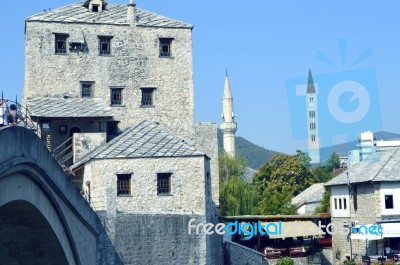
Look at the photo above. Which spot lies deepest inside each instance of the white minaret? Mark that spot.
(228, 126)
(312, 120)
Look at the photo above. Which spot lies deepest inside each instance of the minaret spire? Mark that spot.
(312, 120)
(228, 126)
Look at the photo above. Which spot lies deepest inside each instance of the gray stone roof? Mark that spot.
(145, 139)
(113, 14)
(314, 193)
(383, 166)
(68, 108)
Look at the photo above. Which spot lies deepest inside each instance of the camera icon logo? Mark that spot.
(348, 104)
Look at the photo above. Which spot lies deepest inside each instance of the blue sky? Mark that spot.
(265, 45)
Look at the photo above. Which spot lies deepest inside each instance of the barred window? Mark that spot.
(165, 47)
(147, 97)
(123, 184)
(116, 96)
(87, 89)
(163, 183)
(61, 43)
(105, 45)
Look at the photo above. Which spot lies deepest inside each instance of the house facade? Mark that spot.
(110, 86)
(365, 208)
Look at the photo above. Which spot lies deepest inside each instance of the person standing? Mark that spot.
(13, 115)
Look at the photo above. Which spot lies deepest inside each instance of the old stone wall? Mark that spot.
(134, 63)
(188, 193)
(236, 254)
(86, 142)
(157, 239)
(206, 141)
(368, 209)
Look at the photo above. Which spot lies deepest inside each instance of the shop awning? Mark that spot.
(390, 230)
(277, 230)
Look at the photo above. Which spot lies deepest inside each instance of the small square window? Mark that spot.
(147, 97)
(163, 183)
(116, 96)
(95, 8)
(123, 184)
(389, 201)
(105, 45)
(87, 89)
(165, 47)
(61, 43)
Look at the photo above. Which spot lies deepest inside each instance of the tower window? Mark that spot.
(163, 183)
(311, 99)
(61, 43)
(116, 96)
(87, 89)
(313, 126)
(165, 47)
(148, 97)
(105, 45)
(123, 184)
(313, 138)
(312, 113)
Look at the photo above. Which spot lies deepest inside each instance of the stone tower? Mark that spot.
(228, 126)
(312, 120)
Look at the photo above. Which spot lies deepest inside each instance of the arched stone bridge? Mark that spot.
(43, 217)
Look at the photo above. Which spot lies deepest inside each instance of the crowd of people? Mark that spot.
(9, 115)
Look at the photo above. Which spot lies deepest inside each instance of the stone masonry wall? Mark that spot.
(236, 254)
(134, 63)
(207, 142)
(187, 192)
(368, 209)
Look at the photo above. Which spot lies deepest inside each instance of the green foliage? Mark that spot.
(323, 173)
(325, 204)
(254, 155)
(230, 166)
(237, 197)
(278, 180)
(333, 162)
(350, 262)
(285, 261)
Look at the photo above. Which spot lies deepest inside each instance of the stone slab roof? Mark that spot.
(113, 14)
(314, 193)
(145, 139)
(68, 108)
(383, 166)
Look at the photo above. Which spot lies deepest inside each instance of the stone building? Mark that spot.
(364, 198)
(111, 88)
(307, 201)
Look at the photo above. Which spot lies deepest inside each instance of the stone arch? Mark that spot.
(26, 237)
(31, 179)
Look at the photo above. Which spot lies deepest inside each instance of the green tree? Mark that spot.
(230, 166)
(323, 173)
(237, 197)
(325, 203)
(285, 261)
(278, 180)
(333, 162)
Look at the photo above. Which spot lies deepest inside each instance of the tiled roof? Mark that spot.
(68, 107)
(145, 139)
(383, 166)
(113, 14)
(314, 193)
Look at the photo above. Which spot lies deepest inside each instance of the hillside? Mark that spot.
(255, 155)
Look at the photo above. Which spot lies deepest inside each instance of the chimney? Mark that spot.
(130, 16)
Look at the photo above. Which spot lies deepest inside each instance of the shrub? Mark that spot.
(285, 261)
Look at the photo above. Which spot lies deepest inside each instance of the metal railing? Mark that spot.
(24, 120)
